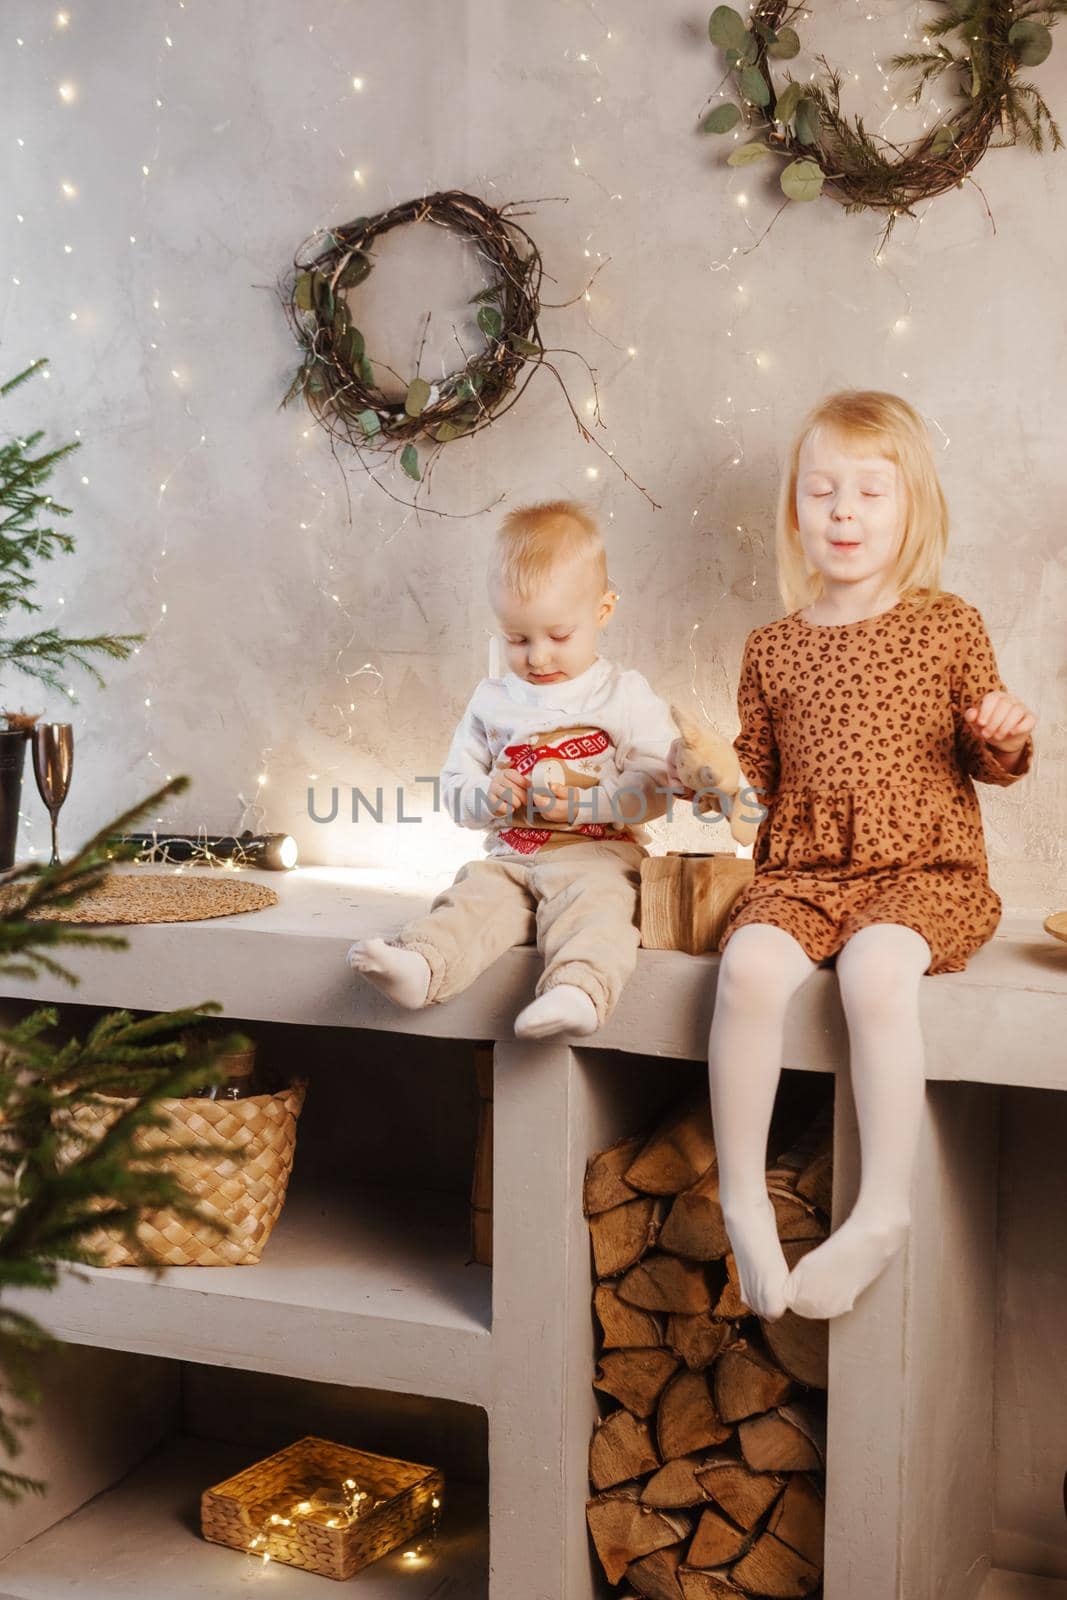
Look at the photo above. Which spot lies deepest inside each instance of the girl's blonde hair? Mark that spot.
(894, 429)
(533, 541)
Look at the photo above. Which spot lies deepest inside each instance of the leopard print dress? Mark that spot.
(853, 736)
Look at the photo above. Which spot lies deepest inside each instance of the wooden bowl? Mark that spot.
(1057, 925)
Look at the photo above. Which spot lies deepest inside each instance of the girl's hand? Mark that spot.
(561, 809)
(672, 772)
(1001, 720)
(507, 791)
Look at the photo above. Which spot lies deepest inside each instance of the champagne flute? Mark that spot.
(53, 758)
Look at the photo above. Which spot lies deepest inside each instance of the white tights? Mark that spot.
(878, 970)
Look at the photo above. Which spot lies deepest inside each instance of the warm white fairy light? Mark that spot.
(68, 249)
(357, 84)
(67, 93)
(67, 187)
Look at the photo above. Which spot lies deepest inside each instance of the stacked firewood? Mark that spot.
(708, 1467)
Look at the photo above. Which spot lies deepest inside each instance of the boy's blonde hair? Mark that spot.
(533, 540)
(894, 429)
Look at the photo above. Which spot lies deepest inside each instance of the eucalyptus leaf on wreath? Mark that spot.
(726, 28)
(490, 321)
(806, 122)
(722, 119)
(802, 180)
(417, 396)
(787, 102)
(409, 460)
(746, 154)
(785, 45)
(754, 87)
(1031, 41)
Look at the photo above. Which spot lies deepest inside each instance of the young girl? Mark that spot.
(866, 714)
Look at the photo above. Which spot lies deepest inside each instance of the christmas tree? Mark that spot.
(27, 536)
(51, 1197)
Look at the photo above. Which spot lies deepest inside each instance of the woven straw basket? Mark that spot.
(245, 1195)
(237, 1512)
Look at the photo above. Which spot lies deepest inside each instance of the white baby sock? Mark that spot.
(878, 970)
(403, 975)
(562, 1009)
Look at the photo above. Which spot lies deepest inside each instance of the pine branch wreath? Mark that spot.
(977, 46)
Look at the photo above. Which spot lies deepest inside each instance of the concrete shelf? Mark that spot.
(374, 1291)
(143, 1538)
(373, 1288)
(287, 964)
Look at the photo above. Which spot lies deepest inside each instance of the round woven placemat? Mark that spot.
(155, 897)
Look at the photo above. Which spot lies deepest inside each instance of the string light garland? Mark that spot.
(828, 152)
(337, 377)
(330, 1507)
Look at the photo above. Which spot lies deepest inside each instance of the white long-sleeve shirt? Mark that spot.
(603, 732)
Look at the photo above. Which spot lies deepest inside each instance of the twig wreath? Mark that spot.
(338, 378)
(827, 151)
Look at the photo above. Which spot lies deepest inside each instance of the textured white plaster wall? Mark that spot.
(317, 627)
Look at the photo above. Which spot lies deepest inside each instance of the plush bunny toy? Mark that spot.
(705, 760)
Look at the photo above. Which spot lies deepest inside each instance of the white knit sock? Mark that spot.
(761, 968)
(562, 1009)
(878, 970)
(403, 975)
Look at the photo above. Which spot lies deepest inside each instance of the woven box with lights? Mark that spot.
(323, 1507)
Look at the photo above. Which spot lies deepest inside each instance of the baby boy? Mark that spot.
(559, 762)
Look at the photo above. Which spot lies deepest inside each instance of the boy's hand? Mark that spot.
(1002, 721)
(507, 791)
(562, 808)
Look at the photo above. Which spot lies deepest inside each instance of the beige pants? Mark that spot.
(580, 901)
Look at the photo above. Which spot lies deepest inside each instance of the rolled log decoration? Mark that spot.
(656, 1576)
(687, 1420)
(697, 1337)
(676, 1484)
(605, 1185)
(697, 1585)
(623, 1530)
(743, 1494)
(694, 1227)
(622, 1449)
(635, 1377)
(707, 1468)
(623, 1235)
(716, 1541)
(679, 1152)
(626, 1327)
(798, 1519)
(664, 1283)
(771, 1569)
(746, 1383)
